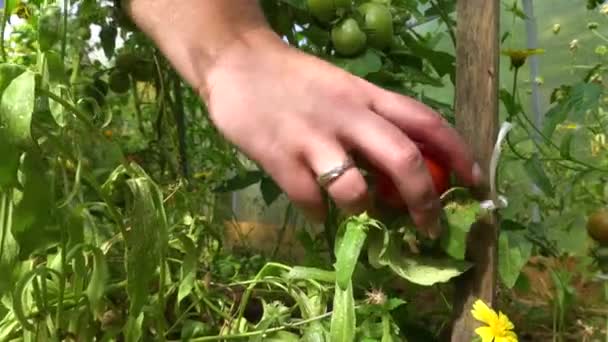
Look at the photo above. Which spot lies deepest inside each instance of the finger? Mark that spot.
(299, 184)
(390, 150)
(349, 190)
(429, 129)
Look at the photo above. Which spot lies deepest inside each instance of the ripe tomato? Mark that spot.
(348, 38)
(388, 193)
(378, 24)
(597, 226)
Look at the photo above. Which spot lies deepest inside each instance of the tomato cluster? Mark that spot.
(355, 28)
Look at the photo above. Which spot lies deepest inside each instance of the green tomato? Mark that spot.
(348, 38)
(326, 10)
(119, 82)
(378, 23)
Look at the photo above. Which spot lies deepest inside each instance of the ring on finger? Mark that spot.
(326, 178)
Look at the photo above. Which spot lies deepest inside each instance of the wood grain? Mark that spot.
(477, 56)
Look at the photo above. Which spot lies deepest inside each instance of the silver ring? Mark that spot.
(328, 177)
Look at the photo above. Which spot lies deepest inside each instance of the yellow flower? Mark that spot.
(499, 327)
(518, 57)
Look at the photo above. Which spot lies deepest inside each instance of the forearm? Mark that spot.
(194, 34)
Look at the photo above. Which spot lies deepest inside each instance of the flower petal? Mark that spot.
(503, 321)
(485, 333)
(483, 313)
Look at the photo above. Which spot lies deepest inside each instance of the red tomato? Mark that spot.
(388, 193)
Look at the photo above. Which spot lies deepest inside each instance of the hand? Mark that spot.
(299, 116)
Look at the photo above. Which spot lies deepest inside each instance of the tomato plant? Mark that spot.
(348, 38)
(597, 226)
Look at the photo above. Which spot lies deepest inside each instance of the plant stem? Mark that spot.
(5, 17)
(438, 5)
(261, 332)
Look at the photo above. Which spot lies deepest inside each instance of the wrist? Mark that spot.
(198, 36)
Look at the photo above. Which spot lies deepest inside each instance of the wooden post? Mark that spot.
(477, 72)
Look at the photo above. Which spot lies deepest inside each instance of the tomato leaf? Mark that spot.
(421, 270)
(514, 251)
(16, 109)
(580, 98)
(458, 217)
(362, 65)
(536, 172)
(343, 321)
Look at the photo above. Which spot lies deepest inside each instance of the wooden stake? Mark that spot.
(477, 71)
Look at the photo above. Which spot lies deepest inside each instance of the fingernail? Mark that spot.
(477, 174)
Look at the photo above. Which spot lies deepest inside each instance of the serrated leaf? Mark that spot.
(270, 190)
(362, 65)
(514, 251)
(459, 217)
(536, 172)
(16, 109)
(343, 321)
(580, 98)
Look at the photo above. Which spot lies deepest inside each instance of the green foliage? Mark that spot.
(112, 217)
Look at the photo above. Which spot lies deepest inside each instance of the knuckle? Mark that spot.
(433, 122)
(353, 193)
(408, 158)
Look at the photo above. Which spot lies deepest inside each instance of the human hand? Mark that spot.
(299, 116)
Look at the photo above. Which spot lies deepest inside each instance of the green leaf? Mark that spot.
(270, 190)
(362, 65)
(315, 332)
(99, 279)
(536, 172)
(299, 4)
(511, 105)
(189, 265)
(349, 251)
(34, 205)
(580, 98)
(9, 248)
(146, 241)
(421, 270)
(16, 109)
(459, 218)
(410, 74)
(514, 251)
(564, 147)
(301, 272)
(8, 72)
(281, 336)
(240, 181)
(133, 329)
(343, 320)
